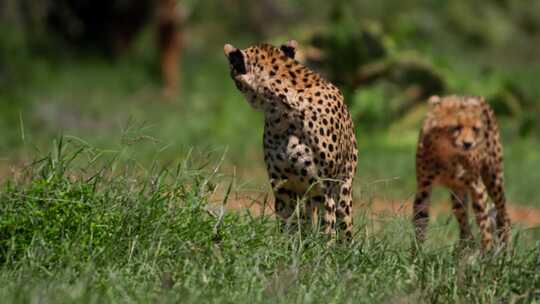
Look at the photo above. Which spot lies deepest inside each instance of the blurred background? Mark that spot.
(115, 73)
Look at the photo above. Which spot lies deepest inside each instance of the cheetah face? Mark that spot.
(251, 68)
(466, 133)
(462, 124)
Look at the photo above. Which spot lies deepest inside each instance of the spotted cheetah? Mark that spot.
(459, 147)
(309, 142)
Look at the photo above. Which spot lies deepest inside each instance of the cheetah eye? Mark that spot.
(476, 129)
(455, 128)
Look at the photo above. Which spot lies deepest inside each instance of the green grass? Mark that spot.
(83, 226)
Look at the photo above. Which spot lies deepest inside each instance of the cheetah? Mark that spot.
(459, 148)
(309, 141)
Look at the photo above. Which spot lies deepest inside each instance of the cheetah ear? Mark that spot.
(228, 48)
(236, 58)
(434, 100)
(289, 48)
(482, 99)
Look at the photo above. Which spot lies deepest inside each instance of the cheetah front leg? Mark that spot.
(284, 207)
(312, 212)
(329, 217)
(421, 209)
(459, 207)
(344, 209)
(479, 200)
(495, 188)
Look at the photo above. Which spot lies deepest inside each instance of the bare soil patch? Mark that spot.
(259, 202)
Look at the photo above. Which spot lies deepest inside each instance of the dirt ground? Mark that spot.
(528, 217)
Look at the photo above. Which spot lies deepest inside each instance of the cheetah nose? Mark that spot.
(467, 145)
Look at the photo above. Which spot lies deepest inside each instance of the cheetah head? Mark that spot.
(461, 121)
(252, 68)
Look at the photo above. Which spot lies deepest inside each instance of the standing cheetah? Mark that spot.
(459, 147)
(309, 141)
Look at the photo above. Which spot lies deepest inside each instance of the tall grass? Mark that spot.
(81, 226)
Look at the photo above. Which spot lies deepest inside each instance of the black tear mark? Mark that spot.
(236, 59)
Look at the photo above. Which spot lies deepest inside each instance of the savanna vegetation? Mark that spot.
(113, 191)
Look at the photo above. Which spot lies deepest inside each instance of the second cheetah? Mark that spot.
(459, 147)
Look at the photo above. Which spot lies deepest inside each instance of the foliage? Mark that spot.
(388, 49)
